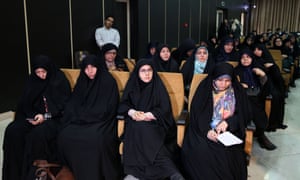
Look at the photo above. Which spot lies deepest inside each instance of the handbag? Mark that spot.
(52, 171)
(253, 91)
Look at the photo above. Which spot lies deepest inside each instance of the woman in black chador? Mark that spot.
(88, 143)
(163, 61)
(220, 104)
(150, 130)
(255, 82)
(226, 51)
(277, 87)
(200, 62)
(32, 134)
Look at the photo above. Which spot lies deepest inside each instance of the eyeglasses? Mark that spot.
(146, 71)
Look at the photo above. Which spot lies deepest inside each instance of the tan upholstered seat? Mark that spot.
(71, 75)
(197, 78)
(130, 63)
(174, 85)
(233, 63)
(276, 54)
(182, 63)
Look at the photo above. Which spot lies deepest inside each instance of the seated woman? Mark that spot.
(163, 62)
(277, 87)
(110, 58)
(199, 63)
(184, 50)
(226, 51)
(254, 80)
(32, 134)
(220, 104)
(151, 50)
(150, 130)
(88, 143)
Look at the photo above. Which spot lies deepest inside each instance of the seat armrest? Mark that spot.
(182, 119)
(120, 117)
(251, 126)
(269, 97)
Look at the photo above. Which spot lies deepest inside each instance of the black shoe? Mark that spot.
(248, 157)
(293, 84)
(271, 129)
(282, 126)
(264, 142)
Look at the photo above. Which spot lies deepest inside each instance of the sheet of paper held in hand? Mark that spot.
(228, 139)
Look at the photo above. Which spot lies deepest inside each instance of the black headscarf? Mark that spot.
(93, 100)
(120, 64)
(143, 140)
(246, 73)
(266, 56)
(188, 68)
(55, 88)
(181, 52)
(202, 103)
(164, 66)
(222, 56)
(274, 43)
(150, 45)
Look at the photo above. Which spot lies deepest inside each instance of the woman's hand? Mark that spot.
(38, 119)
(259, 72)
(212, 135)
(136, 115)
(267, 65)
(149, 116)
(244, 85)
(221, 127)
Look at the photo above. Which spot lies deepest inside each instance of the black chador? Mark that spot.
(88, 143)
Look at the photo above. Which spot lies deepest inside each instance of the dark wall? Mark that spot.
(171, 21)
(49, 32)
(13, 54)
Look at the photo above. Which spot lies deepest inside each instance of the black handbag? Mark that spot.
(253, 91)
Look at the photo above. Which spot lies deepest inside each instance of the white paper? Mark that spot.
(228, 139)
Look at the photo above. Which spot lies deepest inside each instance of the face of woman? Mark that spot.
(202, 54)
(41, 73)
(165, 54)
(189, 53)
(246, 60)
(228, 47)
(222, 83)
(146, 73)
(278, 42)
(110, 55)
(90, 71)
(249, 41)
(258, 52)
(152, 51)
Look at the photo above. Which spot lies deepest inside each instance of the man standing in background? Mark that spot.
(107, 34)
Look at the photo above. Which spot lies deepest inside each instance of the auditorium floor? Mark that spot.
(281, 164)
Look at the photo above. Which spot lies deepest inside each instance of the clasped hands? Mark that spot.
(214, 133)
(140, 115)
(38, 119)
